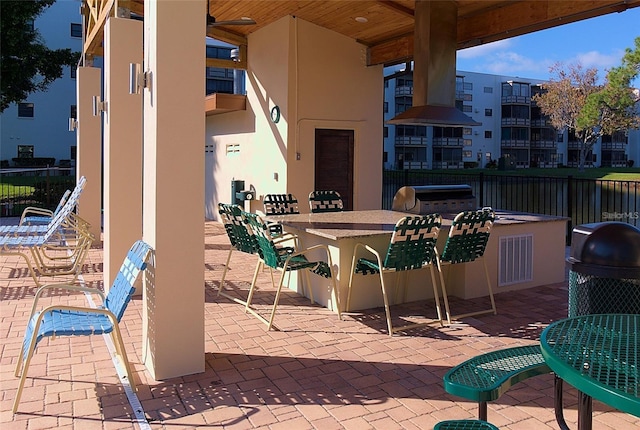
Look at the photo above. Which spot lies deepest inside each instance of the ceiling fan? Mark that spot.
(211, 20)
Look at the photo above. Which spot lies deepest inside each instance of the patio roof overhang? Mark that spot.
(386, 27)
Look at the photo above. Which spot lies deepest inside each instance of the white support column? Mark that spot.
(122, 144)
(173, 213)
(89, 147)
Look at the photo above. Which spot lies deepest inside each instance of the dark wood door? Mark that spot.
(334, 163)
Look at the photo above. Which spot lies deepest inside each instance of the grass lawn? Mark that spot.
(605, 173)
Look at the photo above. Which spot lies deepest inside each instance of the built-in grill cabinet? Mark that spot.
(425, 199)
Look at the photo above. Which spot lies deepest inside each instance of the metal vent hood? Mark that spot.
(434, 68)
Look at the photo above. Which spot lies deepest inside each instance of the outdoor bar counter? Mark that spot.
(524, 250)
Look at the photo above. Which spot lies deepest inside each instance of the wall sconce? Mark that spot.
(98, 106)
(73, 124)
(138, 79)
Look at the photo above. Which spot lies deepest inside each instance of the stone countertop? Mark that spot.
(354, 224)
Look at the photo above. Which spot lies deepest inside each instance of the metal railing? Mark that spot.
(582, 201)
(43, 188)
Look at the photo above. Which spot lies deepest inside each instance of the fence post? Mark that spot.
(48, 188)
(406, 177)
(569, 208)
(481, 190)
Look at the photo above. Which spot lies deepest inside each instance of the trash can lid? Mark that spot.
(609, 244)
(613, 244)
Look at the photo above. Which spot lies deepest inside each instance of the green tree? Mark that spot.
(26, 64)
(573, 100)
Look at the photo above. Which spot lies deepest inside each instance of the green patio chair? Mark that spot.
(280, 204)
(467, 241)
(240, 238)
(412, 247)
(286, 259)
(325, 201)
(62, 320)
(464, 425)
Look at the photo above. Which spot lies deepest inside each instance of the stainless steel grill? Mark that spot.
(425, 199)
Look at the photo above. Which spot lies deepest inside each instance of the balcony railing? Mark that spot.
(525, 122)
(410, 141)
(439, 142)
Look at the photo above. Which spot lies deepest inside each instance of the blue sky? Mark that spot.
(597, 42)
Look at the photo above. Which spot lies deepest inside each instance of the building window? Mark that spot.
(73, 111)
(25, 110)
(386, 107)
(466, 131)
(488, 112)
(488, 90)
(76, 30)
(468, 86)
(385, 132)
(72, 72)
(385, 156)
(73, 154)
(487, 134)
(467, 154)
(386, 83)
(25, 151)
(467, 108)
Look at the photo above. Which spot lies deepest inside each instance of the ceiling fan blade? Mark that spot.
(242, 21)
(211, 20)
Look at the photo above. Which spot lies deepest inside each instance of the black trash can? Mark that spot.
(604, 269)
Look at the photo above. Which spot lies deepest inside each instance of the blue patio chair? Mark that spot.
(286, 259)
(325, 201)
(467, 242)
(52, 254)
(40, 216)
(62, 222)
(412, 247)
(60, 320)
(240, 238)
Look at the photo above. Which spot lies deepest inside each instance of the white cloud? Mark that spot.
(483, 50)
(598, 60)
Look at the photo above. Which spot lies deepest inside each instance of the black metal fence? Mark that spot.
(20, 188)
(581, 200)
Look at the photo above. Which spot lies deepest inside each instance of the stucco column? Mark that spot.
(173, 212)
(89, 147)
(122, 144)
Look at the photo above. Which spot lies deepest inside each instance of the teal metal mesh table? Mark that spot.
(598, 355)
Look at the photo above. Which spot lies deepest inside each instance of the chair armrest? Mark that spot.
(31, 210)
(68, 287)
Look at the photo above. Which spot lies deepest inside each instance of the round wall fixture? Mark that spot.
(275, 113)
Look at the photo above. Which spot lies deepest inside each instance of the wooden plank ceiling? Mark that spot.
(388, 30)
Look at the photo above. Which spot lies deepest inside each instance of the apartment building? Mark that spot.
(39, 126)
(513, 132)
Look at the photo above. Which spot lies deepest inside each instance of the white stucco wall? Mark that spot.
(319, 79)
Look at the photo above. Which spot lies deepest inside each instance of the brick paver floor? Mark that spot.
(316, 372)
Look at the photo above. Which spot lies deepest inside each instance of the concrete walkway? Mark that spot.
(316, 372)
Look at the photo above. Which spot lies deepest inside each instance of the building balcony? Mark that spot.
(439, 142)
(523, 100)
(549, 144)
(620, 146)
(523, 122)
(404, 91)
(448, 164)
(412, 141)
(544, 123)
(515, 143)
(218, 103)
